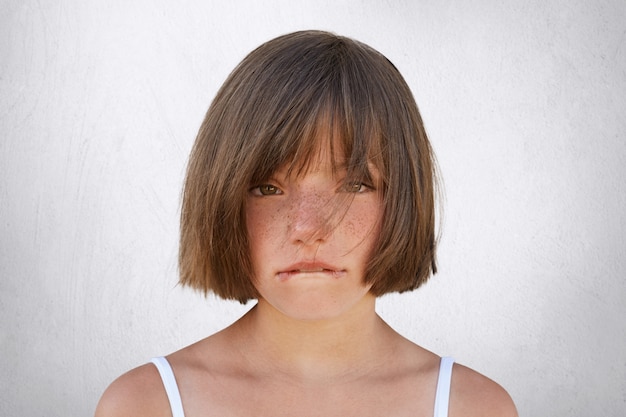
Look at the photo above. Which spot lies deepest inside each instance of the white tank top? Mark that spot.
(442, 397)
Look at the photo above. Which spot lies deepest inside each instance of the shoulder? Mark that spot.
(138, 392)
(473, 394)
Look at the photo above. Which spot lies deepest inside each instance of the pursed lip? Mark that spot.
(310, 268)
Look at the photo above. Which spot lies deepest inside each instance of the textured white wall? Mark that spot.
(524, 102)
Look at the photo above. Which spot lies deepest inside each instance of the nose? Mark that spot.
(310, 218)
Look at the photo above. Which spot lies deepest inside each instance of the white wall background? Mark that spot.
(524, 102)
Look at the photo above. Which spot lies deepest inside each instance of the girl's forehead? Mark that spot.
(325, 140)
(326, 152)
(325, 158)
(331, 162)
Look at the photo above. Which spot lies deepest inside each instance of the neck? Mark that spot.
(315, 349)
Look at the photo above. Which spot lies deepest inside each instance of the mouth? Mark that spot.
(310, 270)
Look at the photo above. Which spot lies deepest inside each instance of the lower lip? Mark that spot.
(326, 273)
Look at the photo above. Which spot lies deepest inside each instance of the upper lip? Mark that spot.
(311, 267)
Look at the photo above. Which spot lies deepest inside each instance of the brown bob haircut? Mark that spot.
(268, 113)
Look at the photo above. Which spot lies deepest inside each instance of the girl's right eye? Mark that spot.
(266, 189)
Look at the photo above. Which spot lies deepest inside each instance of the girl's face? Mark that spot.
(310, 239)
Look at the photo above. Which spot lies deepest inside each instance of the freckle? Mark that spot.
(352, 227)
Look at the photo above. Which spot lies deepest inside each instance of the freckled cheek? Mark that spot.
(362, 224)
(264, 224)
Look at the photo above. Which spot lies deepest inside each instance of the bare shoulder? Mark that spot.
(138, 392)
(473, 394)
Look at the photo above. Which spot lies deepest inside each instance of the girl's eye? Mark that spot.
(356, 187)
(266, 189)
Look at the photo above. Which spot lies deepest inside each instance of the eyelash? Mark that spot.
(273, 190)
(362, 187)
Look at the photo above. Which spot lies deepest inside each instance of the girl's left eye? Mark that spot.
(356, 187)
(266, 189)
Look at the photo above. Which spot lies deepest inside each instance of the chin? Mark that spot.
(310, 308)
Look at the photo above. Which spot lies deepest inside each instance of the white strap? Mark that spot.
(171, 388)
(442, 397)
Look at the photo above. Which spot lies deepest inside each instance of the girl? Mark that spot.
(310, 188)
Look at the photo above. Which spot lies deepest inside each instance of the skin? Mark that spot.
(313, 345)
